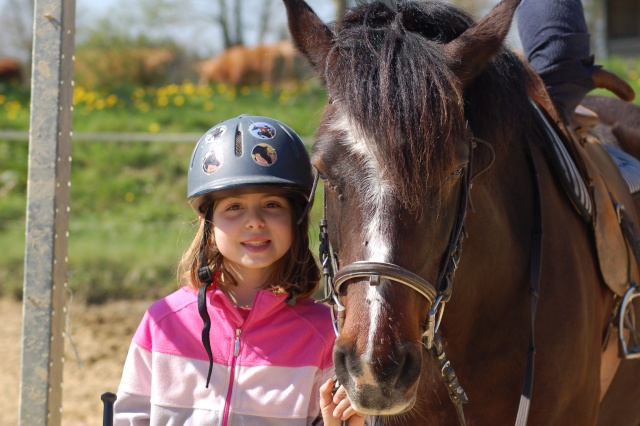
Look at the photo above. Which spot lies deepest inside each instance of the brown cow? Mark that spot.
(272, 63)
(10, 70)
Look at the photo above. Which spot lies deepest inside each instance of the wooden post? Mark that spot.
(44, 304)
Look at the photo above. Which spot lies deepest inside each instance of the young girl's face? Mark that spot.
(253, 230)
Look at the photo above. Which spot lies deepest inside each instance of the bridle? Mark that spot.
(437, 295)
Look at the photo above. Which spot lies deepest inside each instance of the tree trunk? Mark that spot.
(264, 20)
(238, 22)
(224, 24)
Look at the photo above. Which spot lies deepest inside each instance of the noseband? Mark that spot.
(437, 295)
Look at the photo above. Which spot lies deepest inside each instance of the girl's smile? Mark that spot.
(252, 231)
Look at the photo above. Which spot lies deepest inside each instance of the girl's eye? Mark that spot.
(272, 205)
(233, 207)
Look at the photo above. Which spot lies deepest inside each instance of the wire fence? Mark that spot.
(20, 135)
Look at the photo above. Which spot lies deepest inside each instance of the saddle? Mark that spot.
(610, 201)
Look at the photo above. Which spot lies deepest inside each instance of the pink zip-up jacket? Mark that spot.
(267, 369)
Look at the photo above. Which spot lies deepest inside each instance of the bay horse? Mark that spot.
(429, 140)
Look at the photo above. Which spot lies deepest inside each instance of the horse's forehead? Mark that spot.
(373, 191)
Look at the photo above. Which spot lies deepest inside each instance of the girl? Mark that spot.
(242, 342)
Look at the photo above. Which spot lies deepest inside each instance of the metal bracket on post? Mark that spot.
(44, 299)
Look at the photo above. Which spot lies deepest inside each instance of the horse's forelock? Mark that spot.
(399, 91)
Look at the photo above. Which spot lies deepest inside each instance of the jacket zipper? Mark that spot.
(227, 402)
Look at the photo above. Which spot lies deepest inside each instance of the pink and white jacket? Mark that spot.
(267, 369)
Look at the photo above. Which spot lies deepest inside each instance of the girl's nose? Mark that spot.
(255, 219)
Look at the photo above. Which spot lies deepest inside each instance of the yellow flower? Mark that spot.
(129, 197)
(208, 106)
(178, 100)
(245, 90)
(154, 127)
(13, 106)
(138, 93)
(111, 100)
(143, 106)
(78, 94)
(162, 101)
(188, 88)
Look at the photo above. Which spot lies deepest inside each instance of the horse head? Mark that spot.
(394, 150)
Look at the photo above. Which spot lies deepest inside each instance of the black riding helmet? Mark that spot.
(244, 154)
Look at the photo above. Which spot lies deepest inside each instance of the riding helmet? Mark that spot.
(247, 154)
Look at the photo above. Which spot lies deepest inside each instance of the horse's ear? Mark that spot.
(309, 34)
(468, 54)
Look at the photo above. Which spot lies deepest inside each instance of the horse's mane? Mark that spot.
(389, 74)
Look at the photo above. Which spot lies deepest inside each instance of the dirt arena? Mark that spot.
(101, 335)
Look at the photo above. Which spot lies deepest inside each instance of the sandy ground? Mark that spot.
(101, 335)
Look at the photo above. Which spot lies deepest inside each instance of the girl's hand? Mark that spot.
(336, 408)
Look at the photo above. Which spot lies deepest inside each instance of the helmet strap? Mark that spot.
(204, 274)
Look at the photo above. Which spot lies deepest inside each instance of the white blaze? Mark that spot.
(376, 190)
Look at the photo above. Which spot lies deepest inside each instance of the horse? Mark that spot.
(435, 164)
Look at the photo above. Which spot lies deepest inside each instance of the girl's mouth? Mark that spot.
(255, 243)
(256, 246)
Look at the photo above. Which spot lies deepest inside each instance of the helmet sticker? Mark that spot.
(264, 155)
(262, 130)
(214, 134)
(212, 162)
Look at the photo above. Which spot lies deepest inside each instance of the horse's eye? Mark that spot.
(456, 173)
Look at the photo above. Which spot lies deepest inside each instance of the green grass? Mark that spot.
(129, 219)
(175, 108)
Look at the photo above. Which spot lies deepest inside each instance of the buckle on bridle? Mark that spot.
(433, 324)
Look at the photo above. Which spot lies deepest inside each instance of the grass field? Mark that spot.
(129, 217)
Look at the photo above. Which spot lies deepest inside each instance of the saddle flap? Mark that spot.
(610, 192)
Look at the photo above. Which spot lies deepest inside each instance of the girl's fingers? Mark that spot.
(340, 395)
(326, 398)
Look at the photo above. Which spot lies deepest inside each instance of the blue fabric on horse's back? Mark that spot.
(629, 167)
(555, 39)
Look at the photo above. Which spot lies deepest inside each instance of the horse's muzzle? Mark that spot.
(381, 383)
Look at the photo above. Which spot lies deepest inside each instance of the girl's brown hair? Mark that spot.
(296, 272)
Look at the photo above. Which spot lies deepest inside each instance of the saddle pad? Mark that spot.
(629, 167)
(566, 170)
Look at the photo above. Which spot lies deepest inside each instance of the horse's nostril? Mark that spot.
(409, 365)
(345, 362)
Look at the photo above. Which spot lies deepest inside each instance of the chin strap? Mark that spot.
(205, 277)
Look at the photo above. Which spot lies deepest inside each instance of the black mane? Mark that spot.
(389, 58)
